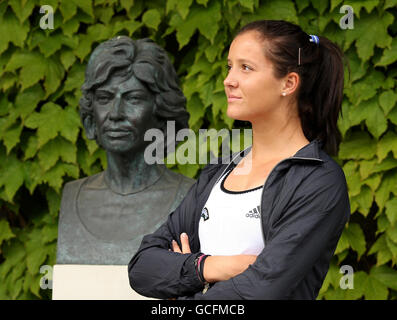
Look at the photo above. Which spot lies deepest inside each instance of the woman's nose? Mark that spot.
(230, 81)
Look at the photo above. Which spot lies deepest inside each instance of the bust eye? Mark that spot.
(133, 96)
(103, 98)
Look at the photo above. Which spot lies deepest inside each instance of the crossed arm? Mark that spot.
(217, 268)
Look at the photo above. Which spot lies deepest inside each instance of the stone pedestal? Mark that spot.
(92, 282)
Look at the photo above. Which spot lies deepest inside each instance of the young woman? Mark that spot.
(270, 231)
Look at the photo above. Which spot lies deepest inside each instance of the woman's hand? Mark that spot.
(184, 242)
(221, 268)
(218, 268)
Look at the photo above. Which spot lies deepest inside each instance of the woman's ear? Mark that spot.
(291, 83)
(90, 127)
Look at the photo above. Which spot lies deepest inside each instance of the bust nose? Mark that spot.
(116, 112)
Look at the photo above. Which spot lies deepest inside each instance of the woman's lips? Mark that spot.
(233, 98)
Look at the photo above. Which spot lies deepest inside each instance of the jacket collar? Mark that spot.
(310, 152)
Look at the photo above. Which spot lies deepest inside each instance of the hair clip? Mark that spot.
(314, 38)
(299, 57)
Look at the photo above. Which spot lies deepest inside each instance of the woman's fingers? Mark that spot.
(175, 247)
(185, 243)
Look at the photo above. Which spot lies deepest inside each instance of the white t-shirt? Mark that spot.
(230, 222)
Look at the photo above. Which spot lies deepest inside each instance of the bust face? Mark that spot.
(123, 111)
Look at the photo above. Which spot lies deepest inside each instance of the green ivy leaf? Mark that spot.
(67, 58)
(387, 100)
(392, 116)
(68, 9)
(354, 182)
(195, 108)
(152, 18)
(33, 175)
(364, 40)
(392, 248)
(358, 146)
(71, 26)
(49, 115)
(390, 4)
(14, 252)
(383, 254)
(54, 75)
(388, 185)
(33, 67)
(386, 144)
(204, 19)
(35, 253)
(22, 9)
(11, 136)
(12, 176)
(369, 5)
(249, 4)
(364, 89)
(75, 77)
(127, 4)
(130, 26)
(389, 55)
(376, 120)
(276, 10)
(12, 31)
(391, 232)
(85, 5)
(27, 101)
(385, 275)
(95, 33)
(320, 6)
(5, 231)
(364, 200)
(355, 236)
(344, 123)
(183, 7)
(358, 68)
(55, 149)
(374, 289)
(71, 124)
(54, 202)
(373, 182)
(54, 176)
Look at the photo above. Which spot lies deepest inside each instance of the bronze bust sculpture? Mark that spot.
(130, 87)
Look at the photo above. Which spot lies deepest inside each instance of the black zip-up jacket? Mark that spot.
(304, 208)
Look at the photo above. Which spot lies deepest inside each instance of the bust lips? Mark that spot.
(117, 133)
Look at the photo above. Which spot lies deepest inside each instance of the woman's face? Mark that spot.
(250, 86)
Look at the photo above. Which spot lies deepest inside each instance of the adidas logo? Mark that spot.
(254, 213)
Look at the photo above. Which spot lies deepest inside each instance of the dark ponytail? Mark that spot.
(321, 73)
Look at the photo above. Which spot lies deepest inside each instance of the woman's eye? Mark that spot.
(228, 67)
(246, 68)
